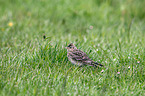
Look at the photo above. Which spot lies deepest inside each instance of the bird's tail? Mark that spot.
(95, 64)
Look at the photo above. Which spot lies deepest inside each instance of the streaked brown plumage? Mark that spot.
(79, 57)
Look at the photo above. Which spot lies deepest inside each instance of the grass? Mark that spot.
(111, 32)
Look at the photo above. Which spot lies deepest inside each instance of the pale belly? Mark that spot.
(75, 62)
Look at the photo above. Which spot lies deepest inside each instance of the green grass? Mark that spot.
(30, 65)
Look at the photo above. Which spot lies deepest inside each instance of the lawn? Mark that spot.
(111, 32)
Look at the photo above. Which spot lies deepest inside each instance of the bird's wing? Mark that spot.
(79, 55)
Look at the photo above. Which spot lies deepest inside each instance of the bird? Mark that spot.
(78, 57)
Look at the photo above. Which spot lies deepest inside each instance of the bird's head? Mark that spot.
(71, 47)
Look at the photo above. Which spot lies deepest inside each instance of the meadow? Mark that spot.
(111, 32)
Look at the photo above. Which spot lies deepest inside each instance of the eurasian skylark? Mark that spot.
(79, 57)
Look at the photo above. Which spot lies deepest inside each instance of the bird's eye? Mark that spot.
(71, 47)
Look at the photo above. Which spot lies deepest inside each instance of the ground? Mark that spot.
(111, 32)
